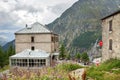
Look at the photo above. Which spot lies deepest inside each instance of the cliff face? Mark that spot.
(80, 25)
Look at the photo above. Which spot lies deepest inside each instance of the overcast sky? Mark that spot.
(14, 14)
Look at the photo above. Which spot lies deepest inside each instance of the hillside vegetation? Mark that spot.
(85, 40)
(82, 18)
(109, 70)
(59, 72)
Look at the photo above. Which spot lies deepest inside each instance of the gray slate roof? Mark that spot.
(114, 13)
(31, 54)
(35, 28)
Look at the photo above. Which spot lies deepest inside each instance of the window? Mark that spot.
(37, 62)
(56, 39)
(55, 50)
(110, 25)
(32, 39)
(32, 48)
(42, 62)
(13, 62)
(110, 44)
(52, 39)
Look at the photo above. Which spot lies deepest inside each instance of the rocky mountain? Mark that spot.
(80, 25)
(2, 42)
(7, 45)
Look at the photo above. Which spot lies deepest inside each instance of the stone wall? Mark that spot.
(114, 35)
(41, 41)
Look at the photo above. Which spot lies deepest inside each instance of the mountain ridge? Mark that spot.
(83, 16)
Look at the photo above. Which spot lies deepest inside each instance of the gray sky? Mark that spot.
(14, 14)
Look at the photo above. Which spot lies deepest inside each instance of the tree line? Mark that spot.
(5, 54)
(81, 57)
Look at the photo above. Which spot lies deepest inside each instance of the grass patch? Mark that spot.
(109, 65)
(59, 72)
(109, 70)
(68, 66)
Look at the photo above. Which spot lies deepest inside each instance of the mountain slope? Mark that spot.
(7, 45)
(83, 16)
(2, 42)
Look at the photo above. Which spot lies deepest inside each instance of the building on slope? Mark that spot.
(35, 46)
(111, 36)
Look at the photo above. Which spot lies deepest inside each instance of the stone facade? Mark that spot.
(111, 36)
(47, 42)
(36, 47)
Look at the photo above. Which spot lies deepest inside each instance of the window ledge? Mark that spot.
(110, 51)
(110, 31)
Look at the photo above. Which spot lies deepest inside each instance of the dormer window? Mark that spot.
(32, 39)
(110, 25)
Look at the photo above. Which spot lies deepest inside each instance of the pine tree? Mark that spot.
(62, 52)
(85, 57)
(68, 56)
(78, 56)
(1, 58)
(11, 51)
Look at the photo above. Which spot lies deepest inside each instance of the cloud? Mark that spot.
(14, 14)
(3, 37)
(7, 31)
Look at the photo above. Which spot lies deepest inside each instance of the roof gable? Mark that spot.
(35, 28)
(118, 11)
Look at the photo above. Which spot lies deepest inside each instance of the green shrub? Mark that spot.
(110, 64)
(44, 78)
(105, 71)
(111, 77)
(68, 66)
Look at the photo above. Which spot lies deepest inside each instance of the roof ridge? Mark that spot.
(112, 13)
(35, 28)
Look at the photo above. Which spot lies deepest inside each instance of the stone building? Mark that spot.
(111, 36)
(36, 37)
(35, 47)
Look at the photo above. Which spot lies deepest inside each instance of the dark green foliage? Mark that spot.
(78, 55)
(84, 57)
(11, 51)
(110, 64)
(69, 66)
(109, 69)
(4, 56)
(62, 52)
(68, 56)
(82, 16)
(85, 40)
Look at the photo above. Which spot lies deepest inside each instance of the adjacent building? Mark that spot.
(35, 46)
(111, 36)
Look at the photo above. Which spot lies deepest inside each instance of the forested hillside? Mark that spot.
(80, 25)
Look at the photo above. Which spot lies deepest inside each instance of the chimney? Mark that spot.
(29, 53)
(26, 25)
